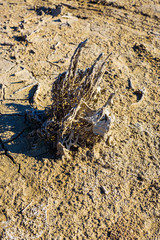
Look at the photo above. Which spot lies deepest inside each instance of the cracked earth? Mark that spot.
(110, 191)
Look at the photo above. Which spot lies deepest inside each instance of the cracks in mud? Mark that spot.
(14, 138)
(109, 4)
(7, 154)
(115, 5)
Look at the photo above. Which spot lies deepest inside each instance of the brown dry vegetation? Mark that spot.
(110, 191)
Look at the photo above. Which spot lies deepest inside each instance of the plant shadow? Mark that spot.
(16, 134)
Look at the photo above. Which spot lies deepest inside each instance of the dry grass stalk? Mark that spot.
(72, 120)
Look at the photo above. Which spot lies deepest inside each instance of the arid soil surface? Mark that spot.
(110, 191)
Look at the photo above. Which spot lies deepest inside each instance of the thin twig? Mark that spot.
(55, 64)
(68, 5)
(21, 89)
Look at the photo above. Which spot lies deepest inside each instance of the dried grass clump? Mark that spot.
(72, 120)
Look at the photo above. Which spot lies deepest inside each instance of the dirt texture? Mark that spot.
(110, 191)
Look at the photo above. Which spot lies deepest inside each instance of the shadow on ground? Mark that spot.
(15, 134)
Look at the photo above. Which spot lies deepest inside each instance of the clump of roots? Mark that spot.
(72, 120)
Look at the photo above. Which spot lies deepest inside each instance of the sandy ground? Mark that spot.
(110, 191)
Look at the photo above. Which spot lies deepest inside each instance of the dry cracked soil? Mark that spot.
(112, 190)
